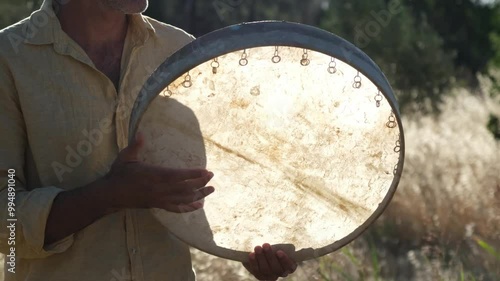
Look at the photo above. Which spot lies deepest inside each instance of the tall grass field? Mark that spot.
(444, 221)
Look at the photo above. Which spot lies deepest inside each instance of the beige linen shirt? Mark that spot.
(62, 124)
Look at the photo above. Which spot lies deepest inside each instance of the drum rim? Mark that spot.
(273, 33)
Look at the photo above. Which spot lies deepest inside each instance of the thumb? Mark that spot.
(131, 152)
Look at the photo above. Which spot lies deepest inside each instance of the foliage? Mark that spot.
(465, 27)
(11, 11)
(200, 17)
(411, 54)
(487, 247)
(494, 126)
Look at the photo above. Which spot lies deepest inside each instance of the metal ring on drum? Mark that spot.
(306, 153)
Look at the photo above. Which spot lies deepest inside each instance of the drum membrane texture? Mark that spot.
(302, 155)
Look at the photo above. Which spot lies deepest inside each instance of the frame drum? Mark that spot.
(300, 127)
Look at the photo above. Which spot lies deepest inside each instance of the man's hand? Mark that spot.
(135, 184)
(130, 184)
(265, 263)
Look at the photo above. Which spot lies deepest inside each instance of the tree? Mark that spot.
(12, 11)
(409, 52)
(465, 26)
(200, 17)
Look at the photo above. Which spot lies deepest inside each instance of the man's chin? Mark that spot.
(128, 6)
(138, 6)
(136, 9)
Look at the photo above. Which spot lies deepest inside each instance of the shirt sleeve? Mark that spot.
(30, 208)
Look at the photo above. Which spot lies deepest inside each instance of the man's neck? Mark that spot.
(99, 30)
(91, 24)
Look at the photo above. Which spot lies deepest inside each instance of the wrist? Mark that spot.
(101, 192)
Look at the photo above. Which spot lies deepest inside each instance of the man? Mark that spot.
(69, 75)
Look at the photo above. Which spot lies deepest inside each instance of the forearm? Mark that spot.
(75, 209)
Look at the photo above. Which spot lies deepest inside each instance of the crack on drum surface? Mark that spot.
(329, 197)
(230, 151)
(325, 195)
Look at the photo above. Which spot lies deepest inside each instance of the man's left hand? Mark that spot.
(266, 263)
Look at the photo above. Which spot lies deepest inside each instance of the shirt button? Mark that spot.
(133, 250)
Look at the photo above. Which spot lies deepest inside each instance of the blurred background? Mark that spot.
(442, 57)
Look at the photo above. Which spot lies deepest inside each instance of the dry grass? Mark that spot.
(449, 197)
(451, 177)
(1, 267)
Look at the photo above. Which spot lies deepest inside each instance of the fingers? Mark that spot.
(264, 267)
(176, 175)
(185, 202)
(289, 266)
(193, 188)
(195, 183)
(188, 197)
(184, 208)
(185, 196)
(159, 174)
(253, 267)
(267, 264)
(272, 260)
(252, 264)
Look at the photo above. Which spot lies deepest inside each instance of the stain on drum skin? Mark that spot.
(255, 91)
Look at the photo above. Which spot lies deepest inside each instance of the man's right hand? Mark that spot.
(131, 183)
(135, 184)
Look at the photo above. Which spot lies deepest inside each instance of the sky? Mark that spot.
(487, 1)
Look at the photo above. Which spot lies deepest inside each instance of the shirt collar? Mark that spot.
(140, 28)
(43, 27)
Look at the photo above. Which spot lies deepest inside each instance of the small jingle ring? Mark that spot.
(391, 124)
(397, 149)
(276, 59)
(332, 70)
(187, 82)
(305, 62)
(243, 62)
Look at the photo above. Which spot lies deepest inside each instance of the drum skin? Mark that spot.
(300, 128)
